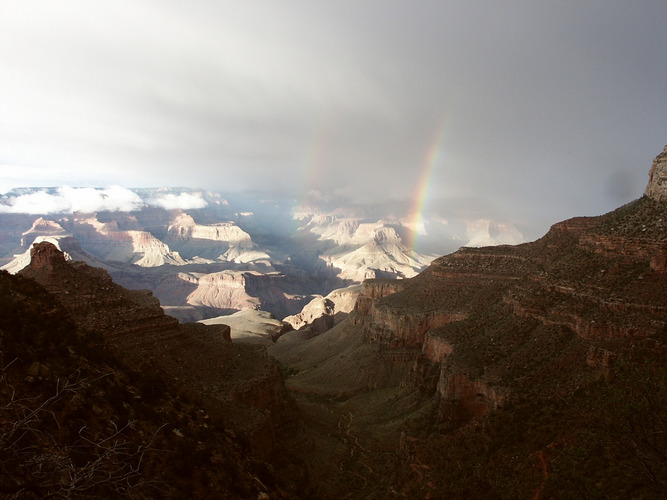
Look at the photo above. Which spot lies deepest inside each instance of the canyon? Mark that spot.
(531, 370)
(213, 257)
(495, 369)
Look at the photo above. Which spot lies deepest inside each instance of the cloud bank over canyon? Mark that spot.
(88, 200)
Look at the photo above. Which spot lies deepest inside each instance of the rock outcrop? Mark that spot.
(64, 242)
(380, 253)
(323, 313)
(41, 227)
(657, 184)
(229, 291)
(258, 327)
(46, 257)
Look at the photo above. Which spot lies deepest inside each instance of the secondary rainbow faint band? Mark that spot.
(432, 160)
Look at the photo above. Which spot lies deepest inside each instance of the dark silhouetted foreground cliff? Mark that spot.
(103, 396)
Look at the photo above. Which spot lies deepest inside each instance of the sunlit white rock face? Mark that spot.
(379, 253)
(223, 241)
(185, 228)
(41, 227)
(322, 313)
(361, 250)
(108, 242)
(223, 290)
(250, 326)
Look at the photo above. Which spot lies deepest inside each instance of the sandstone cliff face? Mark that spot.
(436, 349)
(223, 290)
(402, 328)
(400, 313)
(375, 289)
(463, 399)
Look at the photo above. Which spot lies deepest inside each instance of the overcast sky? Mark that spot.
(540, 110)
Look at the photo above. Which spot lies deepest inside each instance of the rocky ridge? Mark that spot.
(199, 360)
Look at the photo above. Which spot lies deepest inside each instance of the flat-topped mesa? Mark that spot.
(657, 183)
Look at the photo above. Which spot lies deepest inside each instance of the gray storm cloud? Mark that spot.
(551, 110)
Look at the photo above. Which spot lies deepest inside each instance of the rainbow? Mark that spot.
(431, 160)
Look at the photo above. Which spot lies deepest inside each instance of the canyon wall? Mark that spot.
(489, 318)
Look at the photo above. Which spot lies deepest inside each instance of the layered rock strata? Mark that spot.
(477, 314)
(231, 380)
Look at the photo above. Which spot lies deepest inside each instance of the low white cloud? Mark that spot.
(113, 199)
(184, 201)
(68, 200)
(39, 202)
